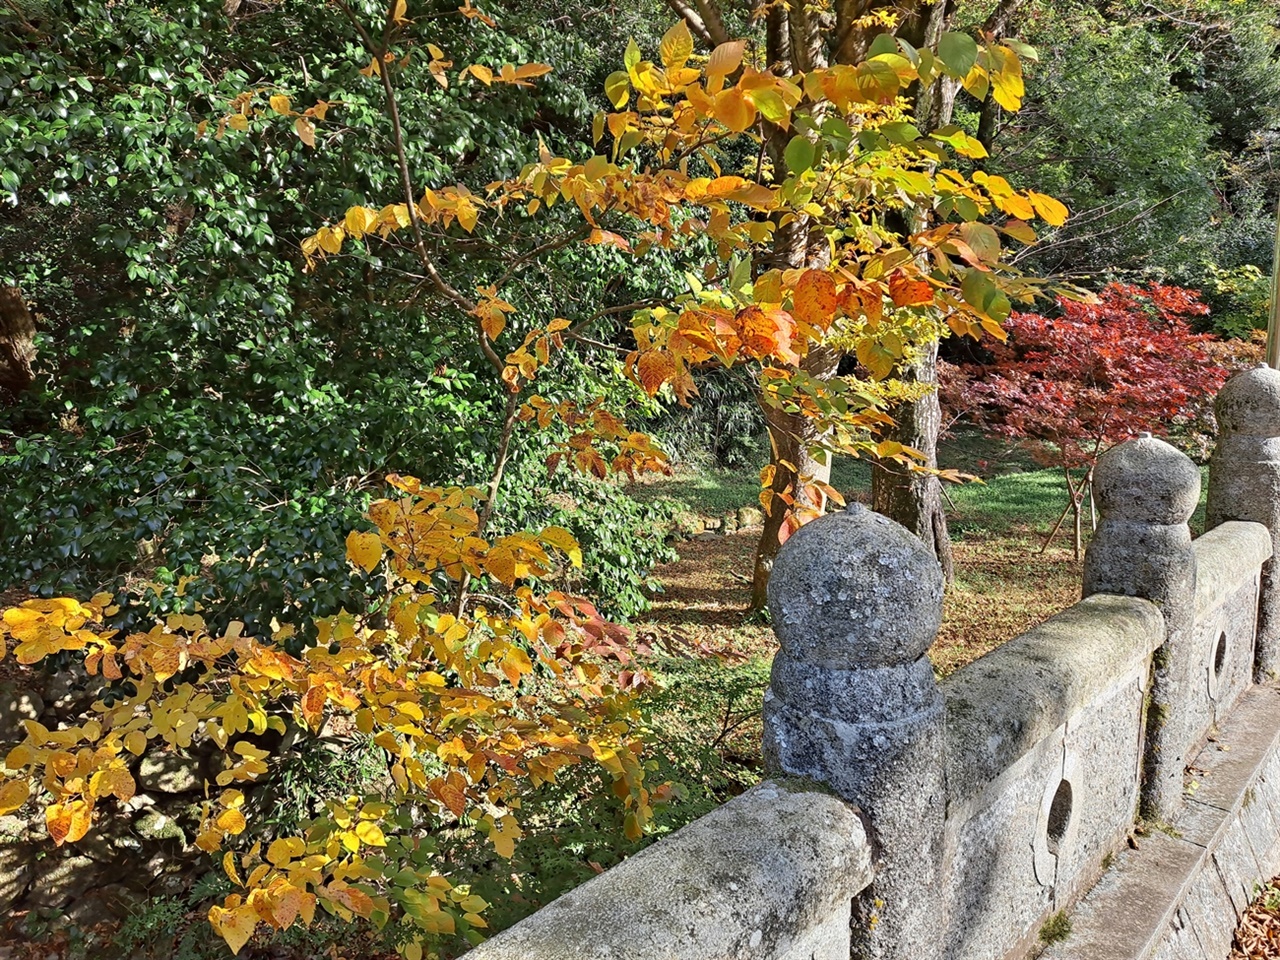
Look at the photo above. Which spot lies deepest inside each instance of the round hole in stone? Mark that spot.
(1059, 816)
(1219, 655)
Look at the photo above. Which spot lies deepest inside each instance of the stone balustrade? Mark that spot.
(984, 816)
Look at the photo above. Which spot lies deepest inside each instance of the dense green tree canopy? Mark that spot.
(1157, 127)
(199, 391)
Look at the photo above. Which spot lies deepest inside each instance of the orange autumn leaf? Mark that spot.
(68, 822)
(653, 369)
(815, 299)
(906, 291)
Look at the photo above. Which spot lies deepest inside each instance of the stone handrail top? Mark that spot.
(753, 878)
(1225, 555)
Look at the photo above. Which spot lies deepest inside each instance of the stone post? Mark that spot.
(1244, 484)
(852, 702)
(1146, 492)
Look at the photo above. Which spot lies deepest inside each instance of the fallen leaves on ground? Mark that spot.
(1003, 587)
(1258, 935)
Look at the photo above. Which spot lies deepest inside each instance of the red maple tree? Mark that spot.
(1075, 384)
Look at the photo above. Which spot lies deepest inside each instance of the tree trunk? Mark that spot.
(912, 500)
(794, 43)
(915, 499)
(791, 437)
(17, 343)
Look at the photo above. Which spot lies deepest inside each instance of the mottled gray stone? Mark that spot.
(1146, 491)
(1146, 481)
(60, 879)
(16, 869)
(854, 590)
(68, 692)
(1003, 704)
(170, 773)
(1244, 484)
(1062, 702)
(1180, 941)
(856, 602)
(154, 825)
(749, 517)
(1103, 747)
(1226, 557)
(1210, 914)
(998, 892)
(108, 904)
(1180, 891)
(17, 704)
(767, 876)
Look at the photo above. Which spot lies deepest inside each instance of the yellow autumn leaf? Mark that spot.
(119, 782)
(306, 131)
(364, 550)
(330, 239)
(235, 926)
(734, 110)
(1049, 209)
(724, 60)
(19, 757)
(676, 46)
(13, 795)
(231, 821)
(68, 822)
(370, 834)
(467, 214)
(285, 849)
(504, 837)
(564, 541)
(359, 221)
(291, 904)
(528, 71)
(617, 87)
(281, 105)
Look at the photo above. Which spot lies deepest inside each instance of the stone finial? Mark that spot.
(855, 589)
(1249, 403)
(1146, 492)
(1244, 484)
(852, 702)
(1147, 481)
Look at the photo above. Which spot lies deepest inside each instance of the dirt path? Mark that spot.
(1003, 587)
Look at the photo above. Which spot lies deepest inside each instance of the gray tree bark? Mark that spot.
(17, 343)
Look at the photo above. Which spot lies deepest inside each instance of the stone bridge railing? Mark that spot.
(982, 816)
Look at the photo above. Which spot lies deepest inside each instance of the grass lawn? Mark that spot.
(713, 657)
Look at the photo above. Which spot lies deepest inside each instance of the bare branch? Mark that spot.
(461, 301)
(694, 20)
(715, 23)
(998, 23)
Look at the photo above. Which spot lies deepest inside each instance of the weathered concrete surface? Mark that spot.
(1002, 705)
(1244, 484)
(1225, 558)
(768, 875)
(1179, 894)
(1044, 737)
(1228, 593)
(1146, 492)
(852, 703)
